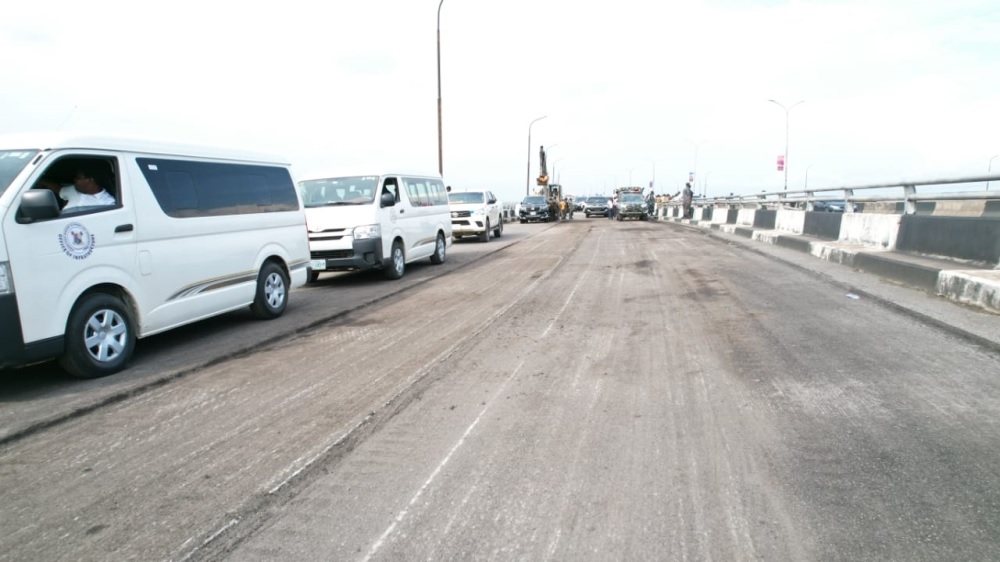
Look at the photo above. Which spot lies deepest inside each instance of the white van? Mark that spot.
(177, 234)
(381, 221)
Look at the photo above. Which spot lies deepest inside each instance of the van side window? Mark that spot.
(426, 192)
(83, 184)
(185, 189)
(439, 195)
(413, 192)
(391, 185)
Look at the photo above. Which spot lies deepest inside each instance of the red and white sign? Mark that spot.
(781, 162)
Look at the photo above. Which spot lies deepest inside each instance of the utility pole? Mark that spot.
(787, 110)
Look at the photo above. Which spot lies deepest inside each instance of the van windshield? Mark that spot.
(355, 190)
(11, 164)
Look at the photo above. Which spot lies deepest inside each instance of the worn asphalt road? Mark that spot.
(583, 391)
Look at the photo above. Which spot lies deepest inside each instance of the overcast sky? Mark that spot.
(891, 90)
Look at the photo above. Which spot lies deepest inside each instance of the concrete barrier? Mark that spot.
(975, 239)
(822, 225)
(744, 217)
(873, 230)
(957, 257)
(790, 220)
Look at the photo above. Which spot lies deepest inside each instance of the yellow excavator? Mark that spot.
(551, 192)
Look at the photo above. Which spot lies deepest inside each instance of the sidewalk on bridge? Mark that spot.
(948, 289)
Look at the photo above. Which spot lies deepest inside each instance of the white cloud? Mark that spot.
(892, 89)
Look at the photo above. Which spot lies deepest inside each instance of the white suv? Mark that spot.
(475, 213)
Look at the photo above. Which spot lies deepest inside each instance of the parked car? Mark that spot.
(475, 213)
(596, 207)
(832, 206)
(534, 208)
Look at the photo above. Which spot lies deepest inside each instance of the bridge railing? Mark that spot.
(904, 192)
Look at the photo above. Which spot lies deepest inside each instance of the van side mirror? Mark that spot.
(387, 199)
(37, 205)
(491, 202)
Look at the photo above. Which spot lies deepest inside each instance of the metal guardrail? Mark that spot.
(807, 197)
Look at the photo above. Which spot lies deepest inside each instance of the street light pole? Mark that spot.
(807, 177)
(527, 177)
(440, 143)
(694, 170)
(988, 170)
(554, 176)
(653, 181)
(787, 110)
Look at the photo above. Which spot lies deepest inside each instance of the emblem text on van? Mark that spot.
(76, 241)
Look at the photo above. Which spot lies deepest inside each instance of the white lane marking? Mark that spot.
(402, 514)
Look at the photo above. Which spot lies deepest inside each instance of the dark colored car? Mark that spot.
(596, 207)
(632, 206)
(534, 208)
(832, 206)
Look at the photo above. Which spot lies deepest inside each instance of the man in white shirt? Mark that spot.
(85, 192)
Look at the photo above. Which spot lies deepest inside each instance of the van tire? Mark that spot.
(437, 258)
(498, 231)
(397, 261)
(88, 354)
(484, 236)
(272, 292)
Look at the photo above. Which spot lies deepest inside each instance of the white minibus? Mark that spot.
(104, 240)
(375, 221)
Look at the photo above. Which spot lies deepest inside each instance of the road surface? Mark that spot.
(590, 390)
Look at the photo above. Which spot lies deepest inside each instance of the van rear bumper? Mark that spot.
(365, 254)
(13, 351)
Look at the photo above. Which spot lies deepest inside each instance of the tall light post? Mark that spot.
(548, 151)
(704, 185)
(554, 176)
(787, 110)
(694, 169)
(806, 186)
(440, 143)
(988, 170)
(630, 177)
(527, 178)
(652, 182)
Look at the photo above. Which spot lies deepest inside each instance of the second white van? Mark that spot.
(380, 221)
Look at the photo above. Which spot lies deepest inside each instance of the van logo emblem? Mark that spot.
(76, 241)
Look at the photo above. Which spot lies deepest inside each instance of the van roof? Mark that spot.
(355, 173)
(90, 141)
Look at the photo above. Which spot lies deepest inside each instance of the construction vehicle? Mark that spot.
(551, 192)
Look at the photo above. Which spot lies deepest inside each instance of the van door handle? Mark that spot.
(401, 211)
(124, 228)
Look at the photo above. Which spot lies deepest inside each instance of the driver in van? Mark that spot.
(85, 192)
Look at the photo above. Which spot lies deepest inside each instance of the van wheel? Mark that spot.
(498, 231)
(397, 262)
(311, 276)
(100, 337)
(484, 236)
(437, 258)
(272, 292)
